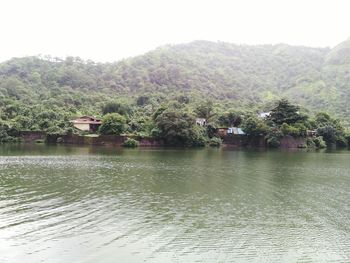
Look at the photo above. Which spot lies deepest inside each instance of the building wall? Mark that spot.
(108, 140)
(291, 142)
(30, 136)
(235, 140)
(82, 126)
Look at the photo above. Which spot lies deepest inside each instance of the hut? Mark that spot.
(201, 121)
(87, 123)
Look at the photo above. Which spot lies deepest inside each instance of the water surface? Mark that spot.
(81, 204)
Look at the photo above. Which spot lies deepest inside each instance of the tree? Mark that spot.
(205, 109)
(115, 107)
(142, 100)
(7, 133)
(330, 129)
(178, 128)
(285, 112)
(231, 119)
(112, 123)
(328, 132)
(254, 126)
(296, 130)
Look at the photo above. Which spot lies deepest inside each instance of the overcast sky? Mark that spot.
(109, 30)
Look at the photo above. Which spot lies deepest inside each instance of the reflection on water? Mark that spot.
(81, 204)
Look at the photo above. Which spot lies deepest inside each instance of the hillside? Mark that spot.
(241, 76)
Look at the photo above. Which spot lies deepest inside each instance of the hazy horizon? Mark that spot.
(108, 31)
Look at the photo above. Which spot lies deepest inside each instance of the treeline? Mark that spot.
(174, 122)
(244, 76)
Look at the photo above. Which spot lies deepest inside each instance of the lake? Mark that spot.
(85, 204)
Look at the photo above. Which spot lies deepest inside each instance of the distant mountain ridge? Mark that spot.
(247, 76)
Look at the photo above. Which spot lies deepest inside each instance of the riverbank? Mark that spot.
(118, 140)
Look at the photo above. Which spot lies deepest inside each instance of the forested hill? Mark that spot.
(242, 76)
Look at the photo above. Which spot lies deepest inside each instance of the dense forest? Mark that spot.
(44, 93)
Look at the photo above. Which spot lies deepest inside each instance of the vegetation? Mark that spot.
(215, 142)
(131, 143)
(159, 94)
(330, 129)
(112, 123)
(7, 133)
(179, 128)
(254, 126)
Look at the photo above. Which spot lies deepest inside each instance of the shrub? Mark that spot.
(131, 143)
(113, 123)
(341, 141)
(215, 142)
(290, 130)
(142, 100)
(273, 142)
(178, 128)
(319, 142)
(328, 133)
(347, 137)
(8, 133)
(310, 143)
(254, 126)
(115, 107)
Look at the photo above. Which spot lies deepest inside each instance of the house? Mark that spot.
(264, 115)
(223, 132)
(235, 130)
(311, 133)
(201, 121)
(87, 123)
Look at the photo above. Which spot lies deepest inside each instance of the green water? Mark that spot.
(80, 204)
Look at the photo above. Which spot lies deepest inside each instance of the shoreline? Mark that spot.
(232, 141)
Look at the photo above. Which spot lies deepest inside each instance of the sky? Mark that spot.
(110, 30)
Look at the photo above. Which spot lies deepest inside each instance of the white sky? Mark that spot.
(109, 30)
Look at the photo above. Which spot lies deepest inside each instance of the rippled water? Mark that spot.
(78, 204)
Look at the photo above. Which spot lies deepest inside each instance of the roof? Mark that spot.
(87, 120)
(264, 114)
(234, 130)
(240, 131)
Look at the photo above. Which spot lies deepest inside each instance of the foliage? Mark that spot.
(115, 107)
(215, 142)
(230, 118)
(310, 143)
(131, 143)
(273, 137)
(211, 130)
(178, 128)
(296, 130)
(347, 137)
(112, 123)
(142, 100)
(303, 145)
(205, 109)
(289, 130)
(254, 126)
(319, 142)
(285, 112)
(273, 142)
(226, 84)
(7, 133)
(330, 129)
